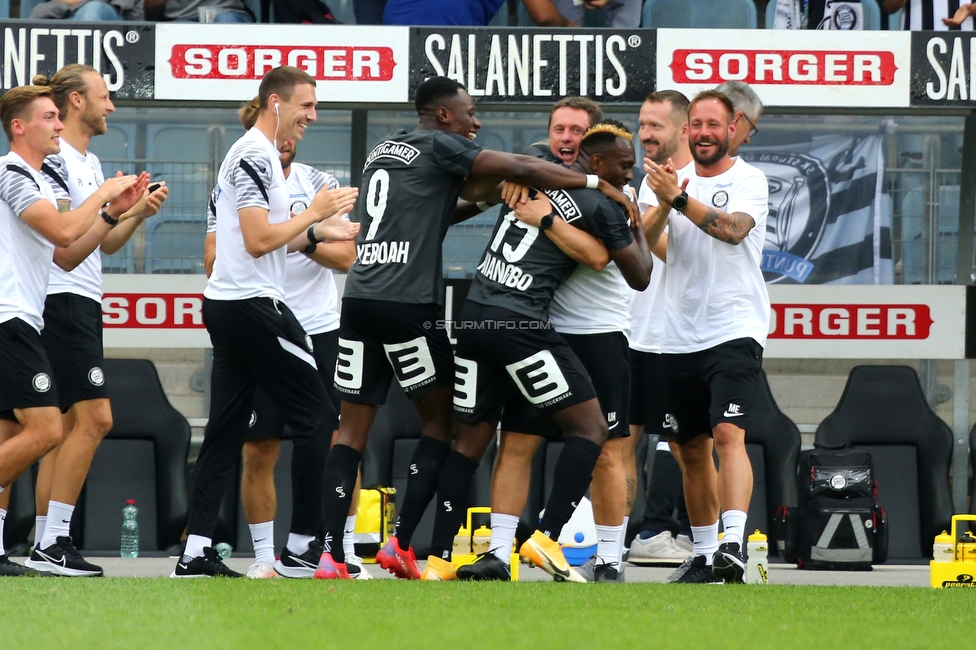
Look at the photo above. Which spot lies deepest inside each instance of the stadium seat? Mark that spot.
(142, 458)
(734, 14)
(27, 6)
(500, 19)
(594, 18)
(342, 10)
(884, 412)
(773, 444)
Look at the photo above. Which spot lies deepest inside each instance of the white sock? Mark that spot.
(195, 545)
(3, 519)
(620, 546)
(734, 522)
(348, 536)
(503, 529)
(40, 523)
(298, 544)
(706, 541)
(607, 540)
(262, 538)
(662, 445)
(58, 522)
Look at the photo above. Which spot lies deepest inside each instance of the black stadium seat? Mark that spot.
(142, 458)
(883, 411)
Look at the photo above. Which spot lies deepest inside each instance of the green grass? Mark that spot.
(383, 614)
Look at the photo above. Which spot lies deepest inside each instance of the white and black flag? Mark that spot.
(829, 221)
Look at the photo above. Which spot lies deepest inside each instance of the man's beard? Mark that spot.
(721, 148)
(95, 123)
(664, 151)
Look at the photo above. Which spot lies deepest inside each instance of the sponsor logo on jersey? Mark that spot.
(394, 252)
(564, 204)
(96, 376)
(42, 382)
(401, 151)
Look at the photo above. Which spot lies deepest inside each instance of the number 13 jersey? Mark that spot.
(411, 182)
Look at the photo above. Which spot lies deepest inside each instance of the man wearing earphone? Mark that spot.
(256, 339)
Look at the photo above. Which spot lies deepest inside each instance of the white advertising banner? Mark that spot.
(226, 62)
(867, 322)
(790, 68)
(153, 311)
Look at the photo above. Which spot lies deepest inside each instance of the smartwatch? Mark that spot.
(680, 202)
(546, 223)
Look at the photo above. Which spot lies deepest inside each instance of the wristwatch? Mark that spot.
(680, 202)
(109, 219)
(546, 223)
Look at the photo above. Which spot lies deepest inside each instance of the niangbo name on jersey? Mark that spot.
(504, 273)
(405, 153)
(394, 252)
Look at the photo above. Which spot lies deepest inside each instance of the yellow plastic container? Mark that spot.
(467, 541)
(961, 571)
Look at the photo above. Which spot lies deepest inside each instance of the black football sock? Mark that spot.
(338, 482)
(424, 471)
(452, 502)
(572, 475)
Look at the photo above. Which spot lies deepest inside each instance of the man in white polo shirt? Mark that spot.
(716, 321)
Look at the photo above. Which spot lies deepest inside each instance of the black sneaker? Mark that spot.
(486, 567)
(290, 565)
(729, 562)
(694, 571)
(62, 559)
(607, 572)
(12, 569)
(211, 565)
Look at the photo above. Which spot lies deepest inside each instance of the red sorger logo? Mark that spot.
(157, 311)
(865, 322)
(784, 67)
(324, 63)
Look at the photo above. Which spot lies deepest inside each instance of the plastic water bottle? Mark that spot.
(756, 564)
(130, 529)
(224, 550)
(944, 548)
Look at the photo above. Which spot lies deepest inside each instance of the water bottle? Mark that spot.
(462, 542)
(944, 548)
(224, 550)
(480, 540)
(756, 564)
(130, 529)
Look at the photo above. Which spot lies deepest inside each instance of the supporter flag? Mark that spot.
(829, 221)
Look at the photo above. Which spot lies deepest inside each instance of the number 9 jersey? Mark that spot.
(410, 187)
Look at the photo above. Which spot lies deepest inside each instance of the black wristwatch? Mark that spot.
(680, 202)
(546, 223)
(313, 241)
(109, 219)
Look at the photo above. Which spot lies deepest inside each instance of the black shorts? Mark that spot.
(379, 340)
(647, 393)
(711, 386)
(606, 359)
(72, 336)
(502, 353)
(268, 422)
(26, 379)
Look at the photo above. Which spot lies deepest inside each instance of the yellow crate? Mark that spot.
(461, 559)
(961, 572)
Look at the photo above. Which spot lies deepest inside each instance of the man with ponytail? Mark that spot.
(35, 222)
(72, 332)
(257, 340)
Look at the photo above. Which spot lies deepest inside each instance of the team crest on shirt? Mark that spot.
(799, 200)
(720, 199)
(298, 207)
(96, 376)
(42, 382)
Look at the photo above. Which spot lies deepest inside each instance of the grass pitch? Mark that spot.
(161, 613)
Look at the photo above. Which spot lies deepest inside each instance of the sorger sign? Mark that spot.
(867, 322)
(154, 311)
(788, 68)
(350, 64)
